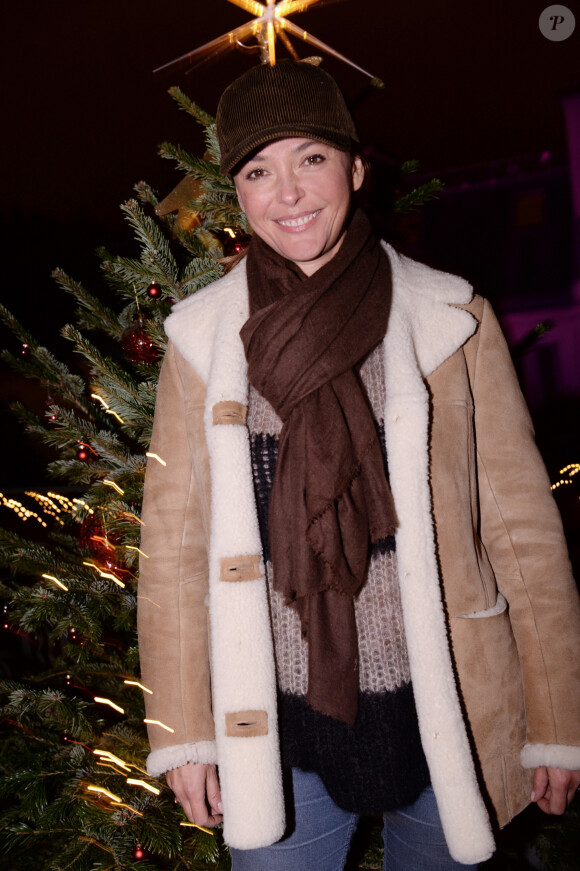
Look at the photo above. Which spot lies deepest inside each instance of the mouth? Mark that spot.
(299, 220)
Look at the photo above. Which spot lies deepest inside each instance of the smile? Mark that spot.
(299, 221)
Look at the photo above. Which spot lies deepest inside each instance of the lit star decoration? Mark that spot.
(271, 22)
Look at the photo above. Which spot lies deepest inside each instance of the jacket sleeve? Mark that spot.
(522, 532)
(173, 576)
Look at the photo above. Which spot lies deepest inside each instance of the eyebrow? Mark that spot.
(304, 146)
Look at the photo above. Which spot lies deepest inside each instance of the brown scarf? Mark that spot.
(304, 341)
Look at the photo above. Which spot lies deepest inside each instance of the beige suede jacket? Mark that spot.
(491, 611)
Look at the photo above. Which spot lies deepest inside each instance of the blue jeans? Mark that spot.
(320, 834)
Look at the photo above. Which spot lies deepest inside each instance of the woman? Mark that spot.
(379, 643)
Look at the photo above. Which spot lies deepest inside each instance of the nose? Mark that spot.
(289, 188)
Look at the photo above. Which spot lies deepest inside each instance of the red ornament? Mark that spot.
(139, 852)
(83, 454)
(154, 290)
(94, 537)
(138, 345)
(234, 241)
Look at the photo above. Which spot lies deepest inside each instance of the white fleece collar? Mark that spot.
(423, 306)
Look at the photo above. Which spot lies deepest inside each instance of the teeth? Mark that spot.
(298, 222)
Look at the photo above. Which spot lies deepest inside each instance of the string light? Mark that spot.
(109, 575)
(135, 683)
(147, 599)
(56, 581)
(133, 782)
(101, 789)
(105, 754)
(195, 826)
(131, 547)
(103, 701)
(21, 510)
(114, 486)
(107, 408)
(158, 723)
(155, 457)
(571, 469)
(132, 516)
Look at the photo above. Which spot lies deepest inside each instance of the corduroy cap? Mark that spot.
(291, 98)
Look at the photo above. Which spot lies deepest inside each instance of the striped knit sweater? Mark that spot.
(377, 764)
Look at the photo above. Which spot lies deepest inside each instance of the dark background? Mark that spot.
(83, 114)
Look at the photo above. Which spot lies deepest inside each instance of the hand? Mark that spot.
(197, 790)
(554, 788)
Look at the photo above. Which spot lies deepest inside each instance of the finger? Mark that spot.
(214, 796)
(558, 800)
(540, 785)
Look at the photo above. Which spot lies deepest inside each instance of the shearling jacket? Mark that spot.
(491, 611)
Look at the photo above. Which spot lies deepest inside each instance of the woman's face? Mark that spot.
(296, 195)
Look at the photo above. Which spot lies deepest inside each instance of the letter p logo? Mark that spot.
(557, 23)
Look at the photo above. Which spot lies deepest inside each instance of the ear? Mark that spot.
(358, 172)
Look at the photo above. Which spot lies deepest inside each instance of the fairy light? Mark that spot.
(100, 700)
(155, 457)
(108, 575)
(147, 599)
(158, 723)
(135, 683)
(104, 541)
(101, 789)
(47, 504)
(139, 551)
(134, 782)
(571, 469)
(21, 510)
(132, 516)
(107, 408)
(56, 581)
(195, 826)
(132, 809)
(105, 754)
(83, 505)
(114, 486)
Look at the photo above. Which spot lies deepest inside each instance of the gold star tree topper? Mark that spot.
(270, 23)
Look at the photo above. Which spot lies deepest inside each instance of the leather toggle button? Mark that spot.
(247, 724)
(240, 568)
(229, 411)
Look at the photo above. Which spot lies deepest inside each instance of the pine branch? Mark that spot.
(194, 166)
(418, 196)
(91, 312)
(187, 105)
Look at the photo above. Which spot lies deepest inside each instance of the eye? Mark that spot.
(313, 159)
(256, 173)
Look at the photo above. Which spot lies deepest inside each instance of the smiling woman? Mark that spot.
(296, 194)
(353, 493)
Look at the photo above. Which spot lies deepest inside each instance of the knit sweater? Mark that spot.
(378, 763)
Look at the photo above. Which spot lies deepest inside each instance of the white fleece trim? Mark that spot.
(160, 761)
(419, 338)
(499, 607)
(205, 329)
(554, 755)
